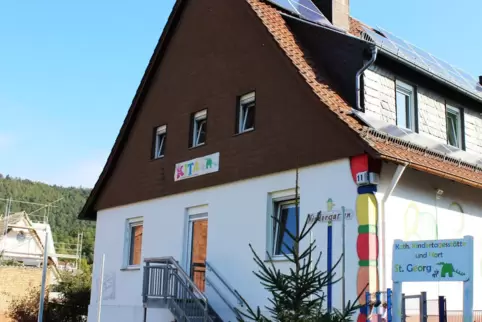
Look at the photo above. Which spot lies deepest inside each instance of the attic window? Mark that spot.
(245, 113)
(160, 141)
(21, 236)
(198, 128)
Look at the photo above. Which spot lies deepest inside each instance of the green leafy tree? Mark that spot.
(72, 304)
(297, 296)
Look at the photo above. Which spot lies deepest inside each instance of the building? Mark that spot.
(23, 240)
(22, 244)
(237, 96)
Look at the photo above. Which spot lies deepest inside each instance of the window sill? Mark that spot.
(197, 146)
(277, 259)
(244, 132)
(130, 268)
(157, 159)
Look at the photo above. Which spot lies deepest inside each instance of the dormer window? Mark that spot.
(198, 128)
(160, 142)
(405, 100)
(454, 126)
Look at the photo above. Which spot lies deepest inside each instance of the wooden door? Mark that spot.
(199, 252)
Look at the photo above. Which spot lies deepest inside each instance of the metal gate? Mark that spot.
(414, 308)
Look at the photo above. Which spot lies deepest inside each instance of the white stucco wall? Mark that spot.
(413, 213)
(379, 91)
(237, 215)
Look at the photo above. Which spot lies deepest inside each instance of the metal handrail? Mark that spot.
(201, 305)
(180, 270)
(228, 304)
(230, 289)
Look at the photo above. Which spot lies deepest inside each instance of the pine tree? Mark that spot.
(297, 296)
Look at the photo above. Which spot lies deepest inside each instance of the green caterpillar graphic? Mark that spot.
(448, 268)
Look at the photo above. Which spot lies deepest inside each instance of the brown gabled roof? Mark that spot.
(275, 23)
(387, 149)
(88, 209)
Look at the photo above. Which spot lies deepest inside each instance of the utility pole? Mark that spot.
(44, 278)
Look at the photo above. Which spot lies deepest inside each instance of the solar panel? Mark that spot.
(381, 41)
(305, 9)
(424, 60)
(418, 139)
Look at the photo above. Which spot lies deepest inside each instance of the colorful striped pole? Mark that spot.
(367, 240)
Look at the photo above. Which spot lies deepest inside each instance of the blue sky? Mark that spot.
(69, 71)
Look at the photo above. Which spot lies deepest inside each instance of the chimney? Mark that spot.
(337, 11)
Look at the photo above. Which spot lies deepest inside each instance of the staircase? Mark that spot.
(167, 285)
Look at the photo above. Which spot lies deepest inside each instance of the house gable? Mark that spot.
(216, 52)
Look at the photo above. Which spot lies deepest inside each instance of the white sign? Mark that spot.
(433, 260)
(197, 167)
(327, 216)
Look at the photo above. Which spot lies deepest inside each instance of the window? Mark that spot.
(286, 213)
(454, 127)
(245, 113)
(133, 247)
(405, 100)
(160, 142)
(198, 129)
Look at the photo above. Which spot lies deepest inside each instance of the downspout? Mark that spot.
(396, 177)
(360, 73)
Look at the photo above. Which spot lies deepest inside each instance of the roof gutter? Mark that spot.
(391, 187)
(360, 72)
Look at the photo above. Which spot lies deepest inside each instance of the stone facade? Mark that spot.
(431, 115)
(379, 96)
(379, 91)
(473, 132)
(17, 282)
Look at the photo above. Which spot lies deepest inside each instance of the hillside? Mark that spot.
(62, 218)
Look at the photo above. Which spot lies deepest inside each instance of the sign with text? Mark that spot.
(197, 167)
(330, 216)
(432, 260)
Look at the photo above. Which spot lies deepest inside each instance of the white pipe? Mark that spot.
(101, 284)
(396, 177)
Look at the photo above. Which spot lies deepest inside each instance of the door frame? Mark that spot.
(192, 214)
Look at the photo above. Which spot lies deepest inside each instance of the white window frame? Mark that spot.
(160, 141)
(247, 101)
(199, 116)
(275, 198)
(411, 118)
(450, 109)
(131, 222)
